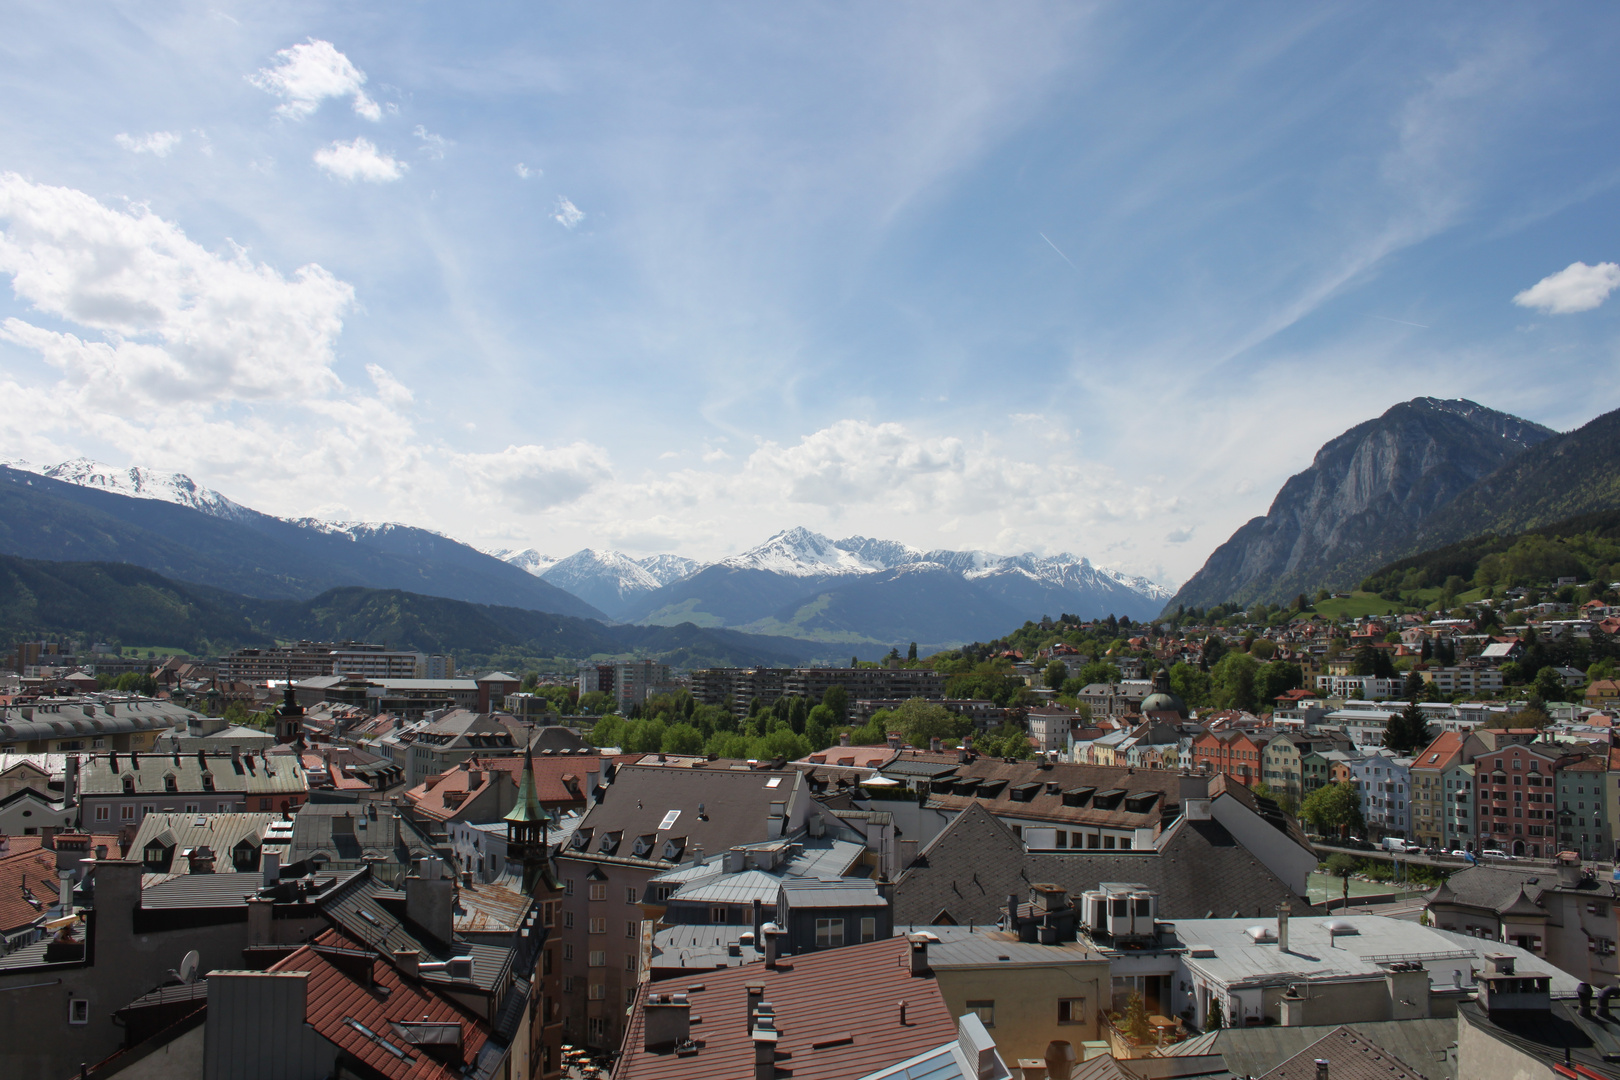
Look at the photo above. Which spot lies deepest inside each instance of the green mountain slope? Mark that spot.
(1584, 546)
(120, 602)
(1567, 475)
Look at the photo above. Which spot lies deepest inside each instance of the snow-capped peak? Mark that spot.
(528, 559)
(137, 483)
(667, 569)
(798, 552)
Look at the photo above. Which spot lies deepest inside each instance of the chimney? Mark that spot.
(908, 853)
(895, 741)
(260, 912)
(919, 953)
(773, 944)
(759, 917)
(666, 1021)
(1321, 1069)
(430, 900)
(1012, 912)
(934, 745)
(756, 994)
(843, 740)
(1283, 911)
(765, 1037)
(270, 867)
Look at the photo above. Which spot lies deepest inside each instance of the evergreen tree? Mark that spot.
(1407, 732)
(911, 653)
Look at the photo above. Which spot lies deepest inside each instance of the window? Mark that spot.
(630, 963)
(829, 933)
(1071, 1010)
(598, 993)
(868, 928)
(632, 929)
(598, 958)
(598, 890)
(126, 813)
(191, 808)
(78, 1010)
(568, 887)
(103, 813)
(264, 804)
(629, 997)
(985, 1011)
(568, 952)
(568, 920)
(629, 896)
(717, 914)
(599, 925)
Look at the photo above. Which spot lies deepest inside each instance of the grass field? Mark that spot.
(1360, 605)
(155, 651)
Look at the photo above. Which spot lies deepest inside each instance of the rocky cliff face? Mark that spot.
(1365, 496)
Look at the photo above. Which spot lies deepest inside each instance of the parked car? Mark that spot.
(1459, 854)
(1497, 855)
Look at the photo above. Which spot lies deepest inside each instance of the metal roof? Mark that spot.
(810, 893)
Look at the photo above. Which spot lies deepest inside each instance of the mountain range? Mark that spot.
(135, 606)
(858, 590)
(863, 594)
(1425, 474)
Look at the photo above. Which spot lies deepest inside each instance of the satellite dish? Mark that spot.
(188, 967)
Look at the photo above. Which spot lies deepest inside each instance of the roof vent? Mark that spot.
(1259, 934)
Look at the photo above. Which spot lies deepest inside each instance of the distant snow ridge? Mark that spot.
(528, 559)
(137, 483)
(353, 530)
(666, 569)
(798, 552)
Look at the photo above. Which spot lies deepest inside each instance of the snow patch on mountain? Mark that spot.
(589, 567)
(528, 559)
(668, 569)
(137, 483)
(354, 530)
(798, 552)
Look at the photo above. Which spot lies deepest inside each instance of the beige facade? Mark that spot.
(1028, 1005)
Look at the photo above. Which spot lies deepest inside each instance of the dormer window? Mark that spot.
(129, 785)
(169, 783)
(208, 781)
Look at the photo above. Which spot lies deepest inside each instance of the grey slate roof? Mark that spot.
(1257, 1050)
(1351, 1056)
(970, 869)
(370, 911)
(1497, 888)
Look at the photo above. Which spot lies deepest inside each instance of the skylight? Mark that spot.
(775, 781)
(669, 820)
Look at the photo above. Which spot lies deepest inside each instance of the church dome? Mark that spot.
(1162, 700)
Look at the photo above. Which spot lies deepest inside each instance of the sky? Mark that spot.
(671, 278)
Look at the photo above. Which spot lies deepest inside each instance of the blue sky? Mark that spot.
(671, 278)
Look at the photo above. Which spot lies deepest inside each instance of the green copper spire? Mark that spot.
(528, 810)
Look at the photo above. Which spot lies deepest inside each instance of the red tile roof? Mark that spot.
(838, 1014)
(549, 774)
(335, 996)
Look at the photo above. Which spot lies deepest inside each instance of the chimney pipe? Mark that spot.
(759, 918)
(1283, 911)
(756, 994)
(773, 944)
(406, 961)
(919, 954)
(1321, 1069)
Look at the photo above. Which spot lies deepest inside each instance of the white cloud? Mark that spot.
(1577, 287)
(533, 478)
(432, 145)
(180, 322)
(389, 388)
(307, 74)
(359, 160)
(566, 213)
(157, 143)
(526, 173)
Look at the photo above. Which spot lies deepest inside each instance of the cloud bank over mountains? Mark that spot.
(1003, 281)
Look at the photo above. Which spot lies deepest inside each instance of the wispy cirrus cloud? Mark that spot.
(566, 214)
(307, 74)
(360, 160)
(1577, 287)
(156, 143)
